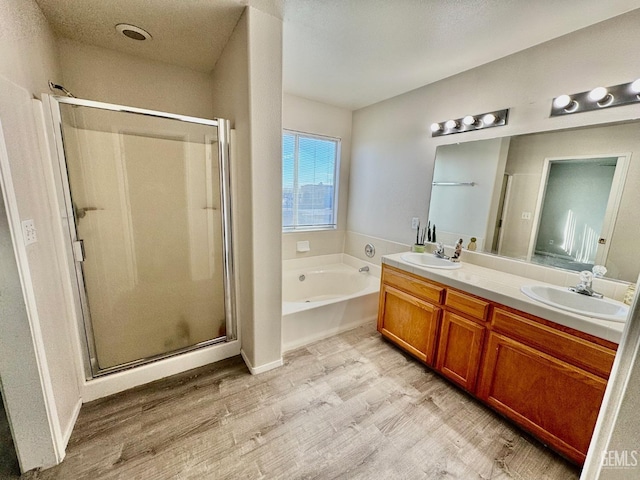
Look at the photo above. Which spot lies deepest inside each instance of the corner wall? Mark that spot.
(247, 86)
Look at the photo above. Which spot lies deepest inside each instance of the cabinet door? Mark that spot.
(459, 350)
(409, 322)
(556, 401)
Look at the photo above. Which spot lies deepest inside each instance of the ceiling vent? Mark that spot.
(133, 32)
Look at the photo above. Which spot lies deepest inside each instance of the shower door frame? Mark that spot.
(75, 253)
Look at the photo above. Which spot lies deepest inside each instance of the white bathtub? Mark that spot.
(332, 297)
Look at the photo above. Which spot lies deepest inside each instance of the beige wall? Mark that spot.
(28, 59)
(28, 54)
(308, 116)
(103, 75)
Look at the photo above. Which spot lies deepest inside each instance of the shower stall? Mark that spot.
(147, 208)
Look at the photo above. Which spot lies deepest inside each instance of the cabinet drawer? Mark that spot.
(420, 288)
(471, 306)
(590, 356)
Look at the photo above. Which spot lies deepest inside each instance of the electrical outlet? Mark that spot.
(526, 215)
(29, 232)
(414, 222)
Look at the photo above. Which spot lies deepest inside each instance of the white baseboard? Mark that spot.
(66, 434)
(262, 368)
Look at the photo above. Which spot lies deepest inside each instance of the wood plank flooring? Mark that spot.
(351, 407)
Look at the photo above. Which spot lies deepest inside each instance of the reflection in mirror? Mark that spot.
(567, 198)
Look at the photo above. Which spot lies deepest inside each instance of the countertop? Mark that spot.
(504, 288)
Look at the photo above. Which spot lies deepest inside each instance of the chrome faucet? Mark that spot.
(584, 287)
(363, 269)
(439, 251)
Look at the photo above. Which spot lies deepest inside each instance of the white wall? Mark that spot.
(248, 90)
(309, 116)
(265, 101)
(95, 73)
(28, 60)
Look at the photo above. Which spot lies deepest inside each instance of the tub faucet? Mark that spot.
(439, 251)
(584, 287)
(363, 269)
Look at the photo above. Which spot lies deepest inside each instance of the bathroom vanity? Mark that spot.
(544, 369)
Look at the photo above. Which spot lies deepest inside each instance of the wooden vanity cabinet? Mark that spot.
(547, 378)
(462, 338)
(460, 350)
(548, 381)
(406, 317)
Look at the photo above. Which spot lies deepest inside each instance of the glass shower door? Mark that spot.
(148, 208)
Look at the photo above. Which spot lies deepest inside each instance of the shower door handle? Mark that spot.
(78, 250)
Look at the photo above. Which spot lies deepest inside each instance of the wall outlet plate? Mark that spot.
(29, 232)
(415, 221)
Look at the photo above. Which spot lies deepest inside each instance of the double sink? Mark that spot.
(558, 297)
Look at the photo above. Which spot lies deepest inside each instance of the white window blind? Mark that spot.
(309, 187)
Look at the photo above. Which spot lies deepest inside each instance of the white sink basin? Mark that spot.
(565, 299)
(429, 260)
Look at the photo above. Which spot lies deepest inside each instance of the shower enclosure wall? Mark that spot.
(147, 203)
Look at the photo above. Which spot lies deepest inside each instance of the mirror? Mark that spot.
(567, 198)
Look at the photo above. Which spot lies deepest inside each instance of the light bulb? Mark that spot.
(598, 94)
(451, 124)
(489, 119)
(635, 86)
(562, 101)
(469, 120)
(436, 127)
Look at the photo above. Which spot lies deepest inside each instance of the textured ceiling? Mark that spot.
(189, 33)
(353, 53)
(349, 53)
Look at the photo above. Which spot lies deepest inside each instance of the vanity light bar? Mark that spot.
(470, 123)
(599, 97)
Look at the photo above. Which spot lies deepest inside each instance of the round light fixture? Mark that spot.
(489, 119)
(562, 101)
(451, 124)
(601, 96)
(436, 127)
(469, 120)
(598, 94)
(635, 86)
(133, 32)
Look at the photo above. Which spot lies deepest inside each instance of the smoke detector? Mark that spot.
(133, 32)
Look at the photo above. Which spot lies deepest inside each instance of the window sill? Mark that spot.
(309, 229)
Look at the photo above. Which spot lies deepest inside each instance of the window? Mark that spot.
(309, 182)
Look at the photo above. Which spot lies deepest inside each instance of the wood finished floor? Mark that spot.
(352, 407)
